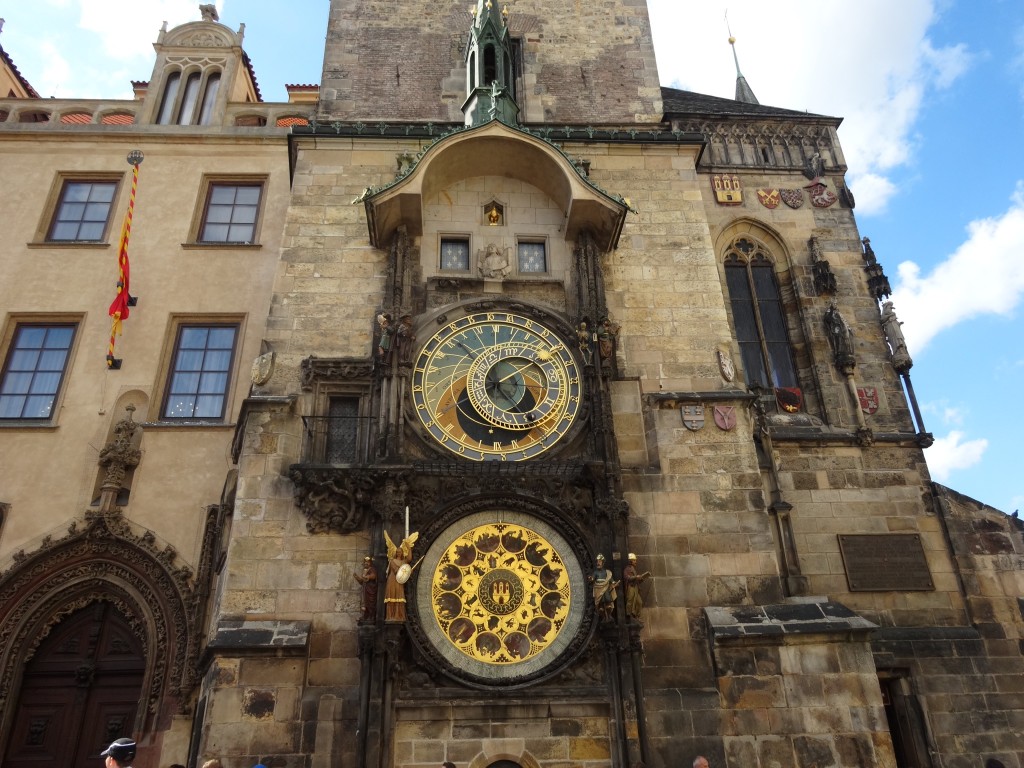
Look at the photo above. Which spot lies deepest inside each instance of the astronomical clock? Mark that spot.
(496, 386)
(501, 596)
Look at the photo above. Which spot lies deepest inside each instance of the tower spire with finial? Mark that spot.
(744, 92)
(490, 81)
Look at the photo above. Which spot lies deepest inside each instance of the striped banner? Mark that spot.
(119, 307)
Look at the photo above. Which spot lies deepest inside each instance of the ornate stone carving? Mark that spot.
(824, 279)
(314, 369)
(335, 501)
(878, 283)
(104, 561)
(117, 457)
(901, 359)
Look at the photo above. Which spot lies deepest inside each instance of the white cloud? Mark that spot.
(948, 454)
(885, 60)
(872, 191)
(127, 31)
(983, 276)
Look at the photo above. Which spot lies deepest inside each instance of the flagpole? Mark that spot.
(123, 300)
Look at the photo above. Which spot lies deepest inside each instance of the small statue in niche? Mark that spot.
(387, 332)
(607, 332)
(494, 263)
(584, 340)
(633, 579)
(604, 590)
(406, 339)
(368, 579)
(839, 336)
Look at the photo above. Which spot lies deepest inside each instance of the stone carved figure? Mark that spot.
(894, 337)
(399, 569)
(814, 167)
(118, 456)
(368, 579)
(209, 12)
(494, 263)
(869, 252)
(604, 590)
(839, 336)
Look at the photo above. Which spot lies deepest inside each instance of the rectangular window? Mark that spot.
(532, 257)
(34, 370)
(455, 254)
(231, 213)
(342, 430)
(200, 374)
(83, 211)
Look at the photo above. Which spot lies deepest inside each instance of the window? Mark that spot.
(34, 370)
(231, 213)
(759, 317)
(191, 104)
(342, 430)
(83, 211)
(455, 254)
(197, 385)
(532, 257)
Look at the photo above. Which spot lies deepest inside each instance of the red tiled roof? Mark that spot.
(284, 122)
(302, 87)
(252, 74)
(78, 118)
(118, 118)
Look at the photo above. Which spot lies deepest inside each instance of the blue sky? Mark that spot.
(932, 96)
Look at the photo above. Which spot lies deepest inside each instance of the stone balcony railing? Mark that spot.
(69, 114)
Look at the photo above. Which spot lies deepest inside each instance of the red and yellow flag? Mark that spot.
(119, 306)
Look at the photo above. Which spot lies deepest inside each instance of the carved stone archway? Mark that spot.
(103, 560)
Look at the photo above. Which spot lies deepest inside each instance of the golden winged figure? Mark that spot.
(399, 570)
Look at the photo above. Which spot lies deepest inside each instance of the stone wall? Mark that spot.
(405, 63)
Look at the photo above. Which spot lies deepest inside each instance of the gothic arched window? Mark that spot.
(190, 102)
(759, 317)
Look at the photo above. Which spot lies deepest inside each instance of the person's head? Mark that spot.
(632, 558)
(993, 763)
(213, 763)
(600, 559)
(120, 753)
(447, 764)
(700, 762)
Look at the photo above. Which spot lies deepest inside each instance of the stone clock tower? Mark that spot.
(537, 318)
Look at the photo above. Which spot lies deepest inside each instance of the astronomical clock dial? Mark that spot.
(501, 601)
(496, 386)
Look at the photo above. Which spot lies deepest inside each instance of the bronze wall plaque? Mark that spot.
(885, 562)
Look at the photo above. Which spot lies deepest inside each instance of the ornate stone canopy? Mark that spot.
(496, 149)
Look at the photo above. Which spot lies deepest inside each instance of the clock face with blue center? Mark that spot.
(496, 386)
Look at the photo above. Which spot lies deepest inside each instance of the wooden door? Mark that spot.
(79, 692)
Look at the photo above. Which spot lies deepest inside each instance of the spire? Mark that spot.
(744, 92)
(490, 79)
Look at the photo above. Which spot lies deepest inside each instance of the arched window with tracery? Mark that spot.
(759, 316)
(190, 102)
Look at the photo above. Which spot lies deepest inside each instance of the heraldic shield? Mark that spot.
(725, 416)
(693, 417)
